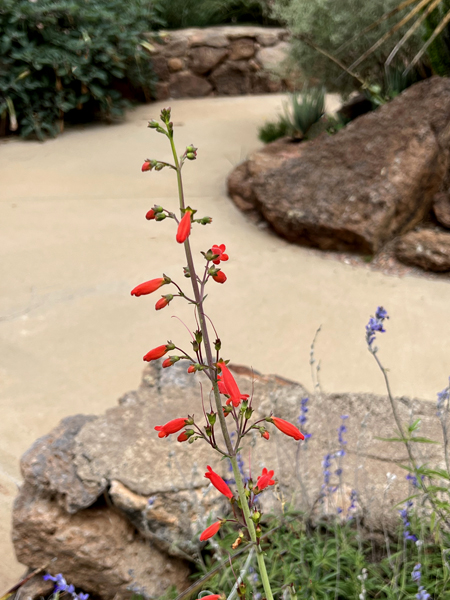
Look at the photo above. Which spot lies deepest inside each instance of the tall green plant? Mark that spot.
(59, 56)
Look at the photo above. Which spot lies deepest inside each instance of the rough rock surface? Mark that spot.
(441, 208)
(373, 180)
(428, 249)
(221, 60)
(137, 482)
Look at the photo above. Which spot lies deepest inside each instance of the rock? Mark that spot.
(271, 58)
(242, 48)
(265, 83)
(355, 107)
(235, 32)
(176, 45)
(49, 465)
(35, 588)
(212, 36)
(157, 486)
(162, 90)
(159, 64)
(356, 190)
(188, 85)
(232, 78)
(269, 37)
(96, 549)
(175, 65)
(441, 208)
(428, 249)
(204, 59)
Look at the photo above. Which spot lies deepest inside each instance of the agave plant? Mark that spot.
(304, 110)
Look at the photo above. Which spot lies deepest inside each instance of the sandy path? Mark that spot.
(74, 242)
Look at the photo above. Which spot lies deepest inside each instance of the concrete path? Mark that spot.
(75, 241)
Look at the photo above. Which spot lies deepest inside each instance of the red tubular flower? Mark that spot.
(230, 384)
(156, 353)
(211, 597)
(287, 428)
(265, 435)
(164, 301)
(146, 166)
(150, 215)
(184, 228)
(220, 250)
(191, 369)
(170, 427)
(210, 531)
(149, 287)
(185, 435)
(218, 483)
(220, 277)
(265, 479)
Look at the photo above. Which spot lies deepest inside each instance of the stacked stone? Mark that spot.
(223, 61)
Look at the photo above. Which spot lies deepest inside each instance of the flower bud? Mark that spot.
(146, 166)
(164, 301)
(160, 216)
(191, 155)
(186, 272)
(150, 215)
(165, 115)
(170, 361)
(191, 369)
(248, 413)
(149, 287)
(217, 345)
(256, 516)
(185, 435)
(205, 220)
(153, 124)
(159, 166)
(211, 418)
(184, 228)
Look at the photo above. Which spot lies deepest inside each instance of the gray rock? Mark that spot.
(356, 190)
(242, 48)
(232, 78)
(272, 58)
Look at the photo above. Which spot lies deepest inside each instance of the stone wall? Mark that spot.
(224, 61)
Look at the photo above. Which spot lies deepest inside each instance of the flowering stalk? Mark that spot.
(212, 373)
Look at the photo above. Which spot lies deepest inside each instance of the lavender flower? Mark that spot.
(406, 524)
(302, 418)
(416, 574)
(442, 397)
(375, 324)
(61, 585)
(326, 464)
(352, 507)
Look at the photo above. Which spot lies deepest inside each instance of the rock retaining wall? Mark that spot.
(224, 61)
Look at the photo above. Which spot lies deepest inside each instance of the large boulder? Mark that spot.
(119, 508)
(356, 190)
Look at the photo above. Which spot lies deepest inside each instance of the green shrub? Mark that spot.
(439, 50)
(273, 130)
(304, 110)
(330, 24)
(177, 14)
(58, 57)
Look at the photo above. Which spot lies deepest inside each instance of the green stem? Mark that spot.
(210, 361)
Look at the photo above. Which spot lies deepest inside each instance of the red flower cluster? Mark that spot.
(265, 479)
(218, 483)
(173, 426)
(220, 250)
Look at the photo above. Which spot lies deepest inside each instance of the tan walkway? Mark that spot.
(75, 241)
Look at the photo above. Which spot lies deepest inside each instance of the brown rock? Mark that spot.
(441, 208)
(242, 48)
(273, 57)
(188, 85)
(176, 45)
(265, 83)
(159, 64)
(162, 90)
(359, 188)
(96, 549)
(203, 59)
(428, 249)
(175, 65)
(232, 78)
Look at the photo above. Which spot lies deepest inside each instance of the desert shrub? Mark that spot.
(61, 56)
(330, 25)
(177, 14)
(273, 130)
(304, 110)
(439, 50)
